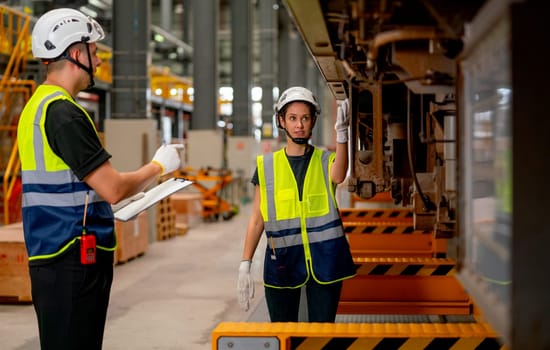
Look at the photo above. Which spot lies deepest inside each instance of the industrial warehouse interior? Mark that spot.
(430, 235)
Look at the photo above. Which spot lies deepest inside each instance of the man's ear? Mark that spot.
(74, 53)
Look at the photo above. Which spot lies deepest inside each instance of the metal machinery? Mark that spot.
(434, 87)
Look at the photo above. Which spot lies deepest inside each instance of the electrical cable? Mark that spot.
(428, 204)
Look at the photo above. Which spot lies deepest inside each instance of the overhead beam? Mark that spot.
(308, 18)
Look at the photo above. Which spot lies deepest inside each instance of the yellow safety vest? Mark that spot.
(305, 237)
(53, 196)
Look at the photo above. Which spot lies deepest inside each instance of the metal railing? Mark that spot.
(15, 42)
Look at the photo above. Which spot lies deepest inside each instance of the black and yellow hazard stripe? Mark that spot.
(405, 266)
(380, 228)
(354, 214)
(394, 343)
(358, 336)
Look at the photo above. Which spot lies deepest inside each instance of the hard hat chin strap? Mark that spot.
(298, 140)
(88, 69)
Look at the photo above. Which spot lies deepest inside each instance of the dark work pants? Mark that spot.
(71, 299)
(322, 302)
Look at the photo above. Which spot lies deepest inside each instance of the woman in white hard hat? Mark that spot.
(69, 185)
(294, 203)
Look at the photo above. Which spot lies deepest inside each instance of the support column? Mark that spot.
(283, 61)
(205, 64)
(292, 55)
(166, 13)
(131, 59)
(268, 36)
(241, 66)
(298, 56)
(187, 32)
(205, 142)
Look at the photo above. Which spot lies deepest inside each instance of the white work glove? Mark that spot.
(127, 201)
(167, 158)
(342, 121)
(245, 285)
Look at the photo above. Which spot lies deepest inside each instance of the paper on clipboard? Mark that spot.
(151, 197)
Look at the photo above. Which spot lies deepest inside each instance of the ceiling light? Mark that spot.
(88, 11)
(99, 4)
(159, 38)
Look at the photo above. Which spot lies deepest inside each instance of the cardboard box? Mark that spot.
(132, 237)
(15, 283)
(188, 208)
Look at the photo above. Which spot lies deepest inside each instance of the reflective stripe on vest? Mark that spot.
(39, 186)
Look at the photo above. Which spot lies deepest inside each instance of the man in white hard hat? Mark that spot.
(69, 185)
(294, 204)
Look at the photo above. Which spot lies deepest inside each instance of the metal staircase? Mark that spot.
(15, 90)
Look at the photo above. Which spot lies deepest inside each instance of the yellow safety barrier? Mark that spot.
(354, 336)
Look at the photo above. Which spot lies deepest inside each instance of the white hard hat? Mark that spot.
(297, 93)
(58, 29)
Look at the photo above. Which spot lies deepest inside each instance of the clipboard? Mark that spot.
(151, 197)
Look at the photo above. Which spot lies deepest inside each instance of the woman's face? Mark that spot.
(298, 120)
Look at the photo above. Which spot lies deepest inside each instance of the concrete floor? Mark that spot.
(172, 297)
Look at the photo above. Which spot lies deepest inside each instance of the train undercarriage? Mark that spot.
(430, 89)
(396, 61)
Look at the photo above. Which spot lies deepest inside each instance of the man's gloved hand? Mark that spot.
(127, 201)
(245, 285)
(167, 158)
(342, 121)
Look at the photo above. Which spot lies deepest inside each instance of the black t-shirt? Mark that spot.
(299, 166)
(73, 138)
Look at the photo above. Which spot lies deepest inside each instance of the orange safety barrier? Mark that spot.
(404, 286)
(400, 270)
(388, 232)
